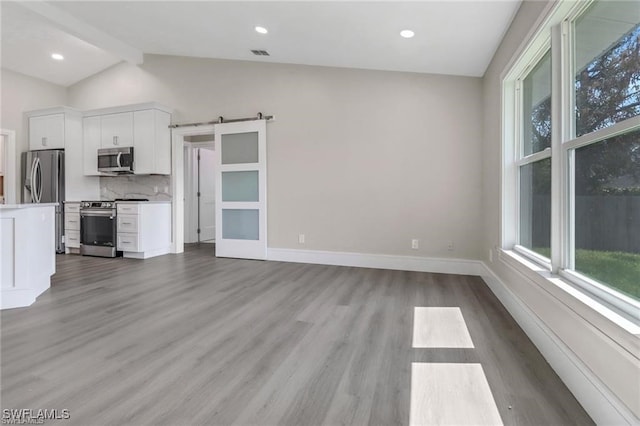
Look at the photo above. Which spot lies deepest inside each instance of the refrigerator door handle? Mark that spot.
(38, 180)
(32, 185)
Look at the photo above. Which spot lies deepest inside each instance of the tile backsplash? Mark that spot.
(153, 187)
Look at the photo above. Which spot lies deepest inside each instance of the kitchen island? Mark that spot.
(27, 252)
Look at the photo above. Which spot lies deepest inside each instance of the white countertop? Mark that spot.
(125, 202)
(145, 202)
(26, 206)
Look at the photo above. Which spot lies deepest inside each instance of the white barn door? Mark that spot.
(241, 189)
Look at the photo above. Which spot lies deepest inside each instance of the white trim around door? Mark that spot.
(10, 170)
(177, 180)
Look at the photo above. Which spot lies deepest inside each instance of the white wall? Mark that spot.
(190, 201)
(359, 161)
(616, 369)
(22, 93)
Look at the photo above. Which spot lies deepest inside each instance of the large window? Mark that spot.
(575, 149)
(535, 158)
(607, 65)
(607, 212)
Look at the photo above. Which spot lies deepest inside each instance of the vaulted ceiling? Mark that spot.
(451, 37)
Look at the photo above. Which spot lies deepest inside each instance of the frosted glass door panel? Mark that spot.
(240, 186)
(241, 190)
(239, 148)
(240, 224)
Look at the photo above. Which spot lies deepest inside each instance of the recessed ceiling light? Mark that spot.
(261, 30)
(57, 56)
(407, 33)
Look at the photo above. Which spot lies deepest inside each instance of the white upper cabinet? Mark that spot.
(117, 130)
(91, 140)
(62, 128)
(145, 127)
(46, 132)
(152, 142)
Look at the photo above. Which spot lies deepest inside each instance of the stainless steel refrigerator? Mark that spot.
(43, 182)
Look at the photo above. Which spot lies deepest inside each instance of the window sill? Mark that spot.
(614, 325)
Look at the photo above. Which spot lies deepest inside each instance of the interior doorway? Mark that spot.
(199, 189)
(240, 185)
(3, 144)
(8, 167)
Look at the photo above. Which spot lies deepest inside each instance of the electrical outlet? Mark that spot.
(300, 238)
(450, 246)
(491, 255)
(155, 189)
(415, 244)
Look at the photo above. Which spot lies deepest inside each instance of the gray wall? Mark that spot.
(21, 93)
(584, 335)
(359, 161)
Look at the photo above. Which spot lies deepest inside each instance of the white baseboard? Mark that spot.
(22, 297)
(600, 403)
(378, 261)
(147, 254)
(17, 298)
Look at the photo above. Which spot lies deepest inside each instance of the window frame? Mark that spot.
(554, 34)
(519, 159)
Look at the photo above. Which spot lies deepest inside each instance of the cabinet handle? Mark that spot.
(126, 223)
(115, 140)
(73, 239)
(44, 141)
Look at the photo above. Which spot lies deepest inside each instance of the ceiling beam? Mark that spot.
(74, 26)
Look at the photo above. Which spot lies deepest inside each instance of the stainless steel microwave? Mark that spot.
(115, 160)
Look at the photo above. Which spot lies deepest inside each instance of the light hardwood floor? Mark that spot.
(191, 339)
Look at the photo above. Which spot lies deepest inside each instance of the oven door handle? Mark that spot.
(110, 215)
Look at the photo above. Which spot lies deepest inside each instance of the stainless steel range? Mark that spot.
(98, 230)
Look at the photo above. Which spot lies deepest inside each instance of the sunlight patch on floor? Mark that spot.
(451, 394)
(440, 328)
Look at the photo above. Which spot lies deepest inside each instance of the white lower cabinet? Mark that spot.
(144, 229)
(128, 223)
(72, 239)
(72, 227)
(128, 242)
